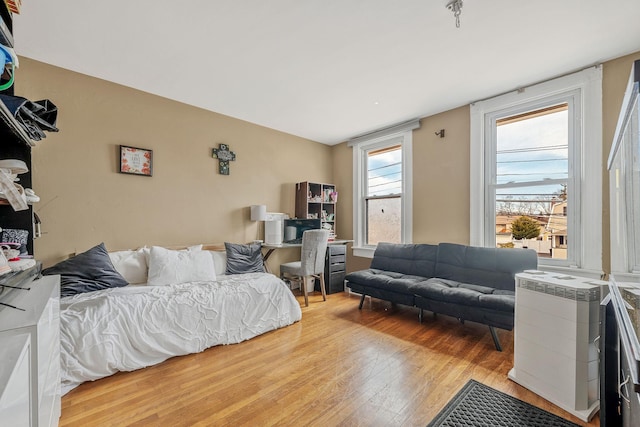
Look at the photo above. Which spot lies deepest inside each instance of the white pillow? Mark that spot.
(219, 262)
(132, 265)
(147, 250)
(167, 267)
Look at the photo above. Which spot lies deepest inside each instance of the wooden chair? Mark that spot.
(311, 264)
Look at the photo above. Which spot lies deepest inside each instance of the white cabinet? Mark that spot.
(39, 327)
(555, 331)
(15, 384)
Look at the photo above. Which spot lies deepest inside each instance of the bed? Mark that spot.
(132, 326)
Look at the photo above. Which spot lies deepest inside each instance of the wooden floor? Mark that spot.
(338, 366)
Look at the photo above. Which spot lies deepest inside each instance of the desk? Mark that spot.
(271, 248)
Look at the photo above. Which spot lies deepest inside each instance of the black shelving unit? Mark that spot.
(15, 144)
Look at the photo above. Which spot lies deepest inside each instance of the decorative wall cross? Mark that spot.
(224, 156)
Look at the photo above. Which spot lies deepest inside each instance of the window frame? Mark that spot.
(402, 135)
(571, 98)
(585, 165)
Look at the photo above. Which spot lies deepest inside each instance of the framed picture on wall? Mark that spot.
(136, 161)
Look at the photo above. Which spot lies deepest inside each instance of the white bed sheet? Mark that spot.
(123, 329)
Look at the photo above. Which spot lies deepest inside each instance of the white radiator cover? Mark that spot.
(555, 331)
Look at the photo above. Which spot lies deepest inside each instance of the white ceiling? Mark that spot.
(326, 70)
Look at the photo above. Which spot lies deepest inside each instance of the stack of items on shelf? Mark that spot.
(12, 193)
(34, 118)
(13, 251)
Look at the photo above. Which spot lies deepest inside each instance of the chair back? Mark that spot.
(314, 249)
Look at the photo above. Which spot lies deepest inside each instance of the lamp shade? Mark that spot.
(258, 212)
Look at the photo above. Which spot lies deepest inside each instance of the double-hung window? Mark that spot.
(536, 171)
(382, 207)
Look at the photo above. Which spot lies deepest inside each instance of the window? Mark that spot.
(383, 197)
(536, 153)
(531, 177)
(382, 205)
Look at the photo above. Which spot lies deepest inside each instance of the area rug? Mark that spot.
(479, 405)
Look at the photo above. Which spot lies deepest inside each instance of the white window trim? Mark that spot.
(401, 134)
(588, 256)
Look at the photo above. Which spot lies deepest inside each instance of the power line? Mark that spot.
(385, 166)
(534, 149)
(382, 176)
(563, 159)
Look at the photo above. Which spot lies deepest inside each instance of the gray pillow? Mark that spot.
(243, 259)
(87, 272)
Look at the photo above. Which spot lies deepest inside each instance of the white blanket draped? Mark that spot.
(124, 329)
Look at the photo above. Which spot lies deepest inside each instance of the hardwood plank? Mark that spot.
(338, 366)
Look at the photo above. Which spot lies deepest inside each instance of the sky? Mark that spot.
(532, 151)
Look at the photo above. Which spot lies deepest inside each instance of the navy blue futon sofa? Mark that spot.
(469, 283)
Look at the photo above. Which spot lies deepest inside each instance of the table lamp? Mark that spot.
(258, 213)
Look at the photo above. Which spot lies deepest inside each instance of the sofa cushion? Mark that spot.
(387, 280)
(492, 267)
(467, 294)
(413, 260)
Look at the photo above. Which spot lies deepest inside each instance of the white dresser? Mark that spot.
(30, 341)
(556, 326)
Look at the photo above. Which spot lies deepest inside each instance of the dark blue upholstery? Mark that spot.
(413, 260)
(466, 294)
(389, 280)
(492, 267)
(395, 268)
(470, 283)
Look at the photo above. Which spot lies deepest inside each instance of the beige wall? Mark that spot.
(84, 200)
(441, 169)
(441, 178)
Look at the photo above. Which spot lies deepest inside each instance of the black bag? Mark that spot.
(35, 117)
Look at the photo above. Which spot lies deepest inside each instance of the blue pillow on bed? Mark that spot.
(87, 272)
(243, 259)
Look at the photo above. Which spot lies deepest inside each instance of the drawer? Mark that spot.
(336, 278)
(334, 259)
(333, 283)
(336, 268)
(337, 249)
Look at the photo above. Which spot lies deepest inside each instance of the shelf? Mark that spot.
(313, 200)
(13, 126)
(6, 38)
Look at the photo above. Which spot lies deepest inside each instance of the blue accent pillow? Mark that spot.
(243, 259)
(87, 272)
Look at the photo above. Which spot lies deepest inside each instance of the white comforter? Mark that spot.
(124, 329)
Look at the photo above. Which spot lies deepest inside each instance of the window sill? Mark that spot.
(364, 251)
(581, 272)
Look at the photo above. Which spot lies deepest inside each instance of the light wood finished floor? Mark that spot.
(338, 366)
